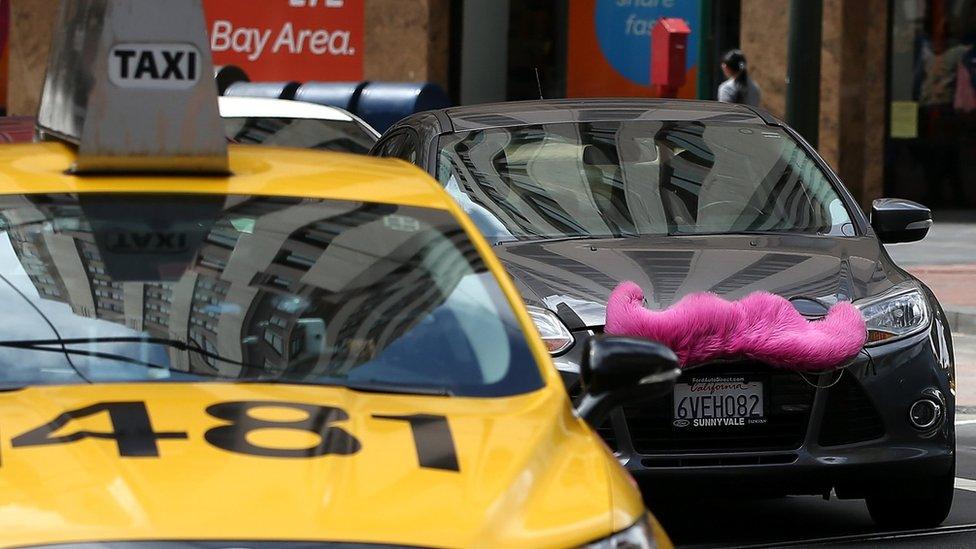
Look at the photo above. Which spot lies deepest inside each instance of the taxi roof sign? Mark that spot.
(128, 82)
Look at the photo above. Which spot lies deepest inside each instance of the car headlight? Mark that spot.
(638, 536)
(554, 333)
(898, 313)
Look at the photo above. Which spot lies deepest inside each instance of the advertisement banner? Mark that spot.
(288, 39)
(609, 49)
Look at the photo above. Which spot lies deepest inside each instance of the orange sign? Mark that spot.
(609, 47)
(288, 39)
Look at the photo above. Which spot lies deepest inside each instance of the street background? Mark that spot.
(884, 89)
(946, 261)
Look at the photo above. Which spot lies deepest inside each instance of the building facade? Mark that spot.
(897, 107)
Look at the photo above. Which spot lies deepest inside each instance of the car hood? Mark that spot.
(575, 277)
(519, 471)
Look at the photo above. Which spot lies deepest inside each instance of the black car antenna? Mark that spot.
(64, 348)
(538, 83)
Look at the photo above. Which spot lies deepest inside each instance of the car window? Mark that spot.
(402, 144)
(206, 288)
(308, 133)
(605, 179)
(408, 148)
(388, 144)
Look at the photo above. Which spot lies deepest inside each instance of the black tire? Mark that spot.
(918, 503)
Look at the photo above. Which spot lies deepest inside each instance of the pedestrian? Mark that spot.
(739, 88)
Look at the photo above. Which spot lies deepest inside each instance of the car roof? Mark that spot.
(549, 111)
(255, 170)
(240, 106)
(235, 106)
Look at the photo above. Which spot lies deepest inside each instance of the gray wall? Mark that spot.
(484, 51)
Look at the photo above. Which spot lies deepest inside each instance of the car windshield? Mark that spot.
(151, 288)
(306, 133)
(612, 179)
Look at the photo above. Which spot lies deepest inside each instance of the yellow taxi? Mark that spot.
(213, 346)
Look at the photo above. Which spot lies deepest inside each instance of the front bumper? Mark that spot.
(850, 436)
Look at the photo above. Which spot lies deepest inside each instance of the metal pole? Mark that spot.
(803, 72)
(706, 51)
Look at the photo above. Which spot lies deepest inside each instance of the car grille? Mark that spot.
(849, 415)
(607, 433)
(789, 399)
(718, 461)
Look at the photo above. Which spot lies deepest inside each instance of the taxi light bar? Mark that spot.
(128, 82)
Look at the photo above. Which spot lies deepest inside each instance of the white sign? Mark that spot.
(718, 402)
(157, 66)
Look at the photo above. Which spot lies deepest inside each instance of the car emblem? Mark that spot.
(681, 423)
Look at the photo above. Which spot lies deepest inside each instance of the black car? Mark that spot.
(683, 197)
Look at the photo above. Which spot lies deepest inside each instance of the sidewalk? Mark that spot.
(965, 348)
(955, 286)
(946, 261)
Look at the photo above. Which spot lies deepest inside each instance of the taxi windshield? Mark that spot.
(642, 177)
(153, 288)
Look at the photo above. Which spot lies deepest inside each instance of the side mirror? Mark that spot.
(621, 370)
(896, 220)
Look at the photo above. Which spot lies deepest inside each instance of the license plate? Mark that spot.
(718, 402)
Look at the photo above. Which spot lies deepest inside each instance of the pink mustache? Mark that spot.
(762, 326)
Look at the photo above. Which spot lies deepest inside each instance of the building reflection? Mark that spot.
(277, 284)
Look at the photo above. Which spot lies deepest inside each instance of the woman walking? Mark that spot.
(739, 88)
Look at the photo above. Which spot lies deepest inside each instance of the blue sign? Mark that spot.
(623, 30)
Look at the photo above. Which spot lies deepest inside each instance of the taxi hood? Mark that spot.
(245, 461)
(574, 278)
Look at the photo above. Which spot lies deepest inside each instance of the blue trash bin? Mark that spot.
(382, 104)
(228, 75)
(344, 95)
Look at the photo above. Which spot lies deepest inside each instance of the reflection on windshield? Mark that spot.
(611, 179)
(274, 288)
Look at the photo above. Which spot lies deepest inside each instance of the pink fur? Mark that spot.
(761, 326)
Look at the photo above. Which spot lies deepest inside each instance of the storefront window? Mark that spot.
(931, 152)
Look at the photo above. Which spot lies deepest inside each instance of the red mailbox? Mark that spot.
(669, 47)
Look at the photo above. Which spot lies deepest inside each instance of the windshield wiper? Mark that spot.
(62, 347)
(262, 376)
(175, 343)
(378, 386)
(368, 386)
(499, 240)
(40, 345)
(546, 240)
